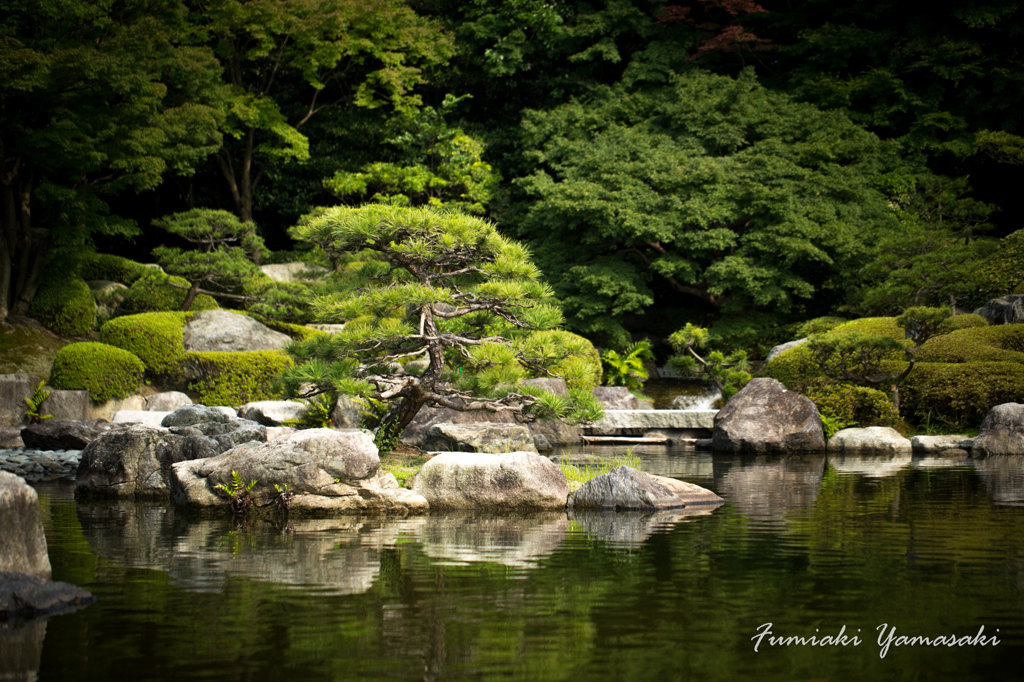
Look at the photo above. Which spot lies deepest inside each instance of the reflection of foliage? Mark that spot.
(628, 368)
(727, 372)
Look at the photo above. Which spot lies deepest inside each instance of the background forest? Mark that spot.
(741, 166)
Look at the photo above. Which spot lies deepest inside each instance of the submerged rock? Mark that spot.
(626, 488)
(29, 596)
(510, 481)
(766, 418)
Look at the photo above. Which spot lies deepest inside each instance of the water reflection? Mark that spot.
(1003, 477)
(870, 464)
(632, 529)
(21, 650)
(515, 541)
(767, 487)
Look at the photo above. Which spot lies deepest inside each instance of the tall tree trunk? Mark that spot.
(28, 279)
(8, 239)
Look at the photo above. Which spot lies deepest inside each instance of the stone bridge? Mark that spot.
(673, 423)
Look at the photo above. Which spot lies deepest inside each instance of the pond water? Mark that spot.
(812, 546)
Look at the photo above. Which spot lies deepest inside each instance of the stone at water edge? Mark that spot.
(22, 542)
(511, 481)
(485, 437)
(14, 388)
(273, 412)
(63, 434)
(765, 417)
(936, 444)
(872, 439)
(626, 488)
(1001, 432)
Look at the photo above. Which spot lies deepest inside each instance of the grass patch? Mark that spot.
(582, 473)
(402, 467)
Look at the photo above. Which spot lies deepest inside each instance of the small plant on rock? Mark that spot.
(284, 497)
(240, 493)
(35, 403)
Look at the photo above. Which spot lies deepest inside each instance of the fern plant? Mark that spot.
(627, 369)
(35, 403)
(239, 492)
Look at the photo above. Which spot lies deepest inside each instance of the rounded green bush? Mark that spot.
(105, 371)
(819, 325)
(235, 378)
(112, 268)
(857, 404)
(965, 321)
(155, 338)
(997, 343)
(64, 305)
(153, 292)
(961, 394)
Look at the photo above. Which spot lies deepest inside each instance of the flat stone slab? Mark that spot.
(646, 420)
(148, 417)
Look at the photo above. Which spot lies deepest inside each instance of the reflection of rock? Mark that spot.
(633, 528)
(1003, 477)
(340, 555)
(769, 486)
(943, 459)
(519, 541)
(872, 464)
(28, 596)
(21, 650)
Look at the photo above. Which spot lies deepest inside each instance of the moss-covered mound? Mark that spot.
(27, 349)
(1000, 343)
(235, 378)
(111, 268)
(158, 292)
(156, 338)
(105, 371)
(64, 304)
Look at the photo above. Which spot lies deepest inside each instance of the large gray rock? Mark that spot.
(63, 434)
(272, 412)
(1003, 310)
(512, 481)
(778, 350)
(29, 596)
(616, 398)
(347, 413)
(108, 409)
(14, 388)
(328, 471)
(555, 431)
(766, 418)
(930, 445)
(873, 439)
(63, 404)
(10, 437)
(139, 417)
(628, 488)
(485, 437)
(22, 542)
(220, 330)
(190, 415)
(1001, 432)
(167, 401)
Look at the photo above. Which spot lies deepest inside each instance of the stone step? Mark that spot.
(627, 421)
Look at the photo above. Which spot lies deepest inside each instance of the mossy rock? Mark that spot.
(64, 305)
(27, 350)
(105, 371)
(110, 267)
(235, 378)
(156, 292)
(156, 338)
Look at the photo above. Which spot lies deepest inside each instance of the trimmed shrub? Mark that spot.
(848, 403)
(156, 338)
(961, 394)
(110, 267)
(235, 378)
(105, 371)
(964, 322)
(998, 343)
(64, 304)
(154, 292)
(818, 325)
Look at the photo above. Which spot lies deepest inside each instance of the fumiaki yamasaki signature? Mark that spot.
(887, 638)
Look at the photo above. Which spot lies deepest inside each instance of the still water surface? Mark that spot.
(810, 545)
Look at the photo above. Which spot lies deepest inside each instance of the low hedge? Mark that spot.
(64, 305)
(853, 404)
(105, 371)
(965, 321)
(998, 343)
(156, 338)
(111, 268)
(961, 394)
(154, 292)
(235, 378)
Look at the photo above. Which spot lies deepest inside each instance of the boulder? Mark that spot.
(63, 434)
(628, 488)
(168, 401)
(347, 413)
(10, 437)
(22, 542)
(63, 404)
(220, 330)
(275, 432)
(766, 418)
(485, 437)
(514, 481)
(14, 389)
(1001, 432)
(936, 444)
(272, 412)
(327, 471)
(557, 432)
(28, 596)
(873, 439)
(1003, 310)
(616, 398)
(139, 417)
(190, 415)
(108, 409)
(778, 350)
(225, 430)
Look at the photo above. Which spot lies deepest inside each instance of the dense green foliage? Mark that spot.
(727, 372)
(64, 304)
(627, 368)
(852, 405)
(155, 338)
(235, 378)
(105, 266)
(158, 292)
(105, 371)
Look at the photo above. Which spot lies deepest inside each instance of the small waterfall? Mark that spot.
(693, 403)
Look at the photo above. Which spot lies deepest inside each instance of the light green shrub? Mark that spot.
(153, 292)
(105, 371)
(965, 321)
(853, 404)
(64, 305)
(235, 378)
(961, 394)
(156, 338)
(111, 268)
(818, 325)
